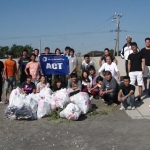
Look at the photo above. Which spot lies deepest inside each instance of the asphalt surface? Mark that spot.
(106, 132)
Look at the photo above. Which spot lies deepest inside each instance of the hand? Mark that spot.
(123, 99)
(17, 78)
(143, 72)
(5, 77)
(89, 90)
(102, 93)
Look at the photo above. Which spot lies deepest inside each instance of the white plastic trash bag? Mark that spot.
(18, 101)
(82, 100)
(50, 100)
(71, 112)
(30, 102)
(43, 109)
(61, 98)
(45, 91)
(13, 94)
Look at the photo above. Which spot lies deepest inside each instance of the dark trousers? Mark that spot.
(1, 87)
(110, 98)
(126, 66)
(22, 77)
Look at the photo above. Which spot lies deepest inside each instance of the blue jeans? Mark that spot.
(129, 101)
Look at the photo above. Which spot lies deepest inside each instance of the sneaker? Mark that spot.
(122, 108)
(129, 107)
(91, 97)
(133, 108)
(138, 100)
(1, 102)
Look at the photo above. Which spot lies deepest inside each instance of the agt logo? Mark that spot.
(44, 59)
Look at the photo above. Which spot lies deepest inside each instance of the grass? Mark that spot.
(101, 110)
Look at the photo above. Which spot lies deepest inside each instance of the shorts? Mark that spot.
(136, 75)
(11, 81)
(147, 71)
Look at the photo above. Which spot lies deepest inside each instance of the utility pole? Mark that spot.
(116, 19)
(40, 47)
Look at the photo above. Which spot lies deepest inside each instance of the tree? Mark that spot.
(3, 51)
(17, 49)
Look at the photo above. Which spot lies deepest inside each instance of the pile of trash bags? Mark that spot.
(36, 106)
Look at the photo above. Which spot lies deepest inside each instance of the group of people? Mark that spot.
(106, 84)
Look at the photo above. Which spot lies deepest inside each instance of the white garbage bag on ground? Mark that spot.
(61, 98)
(18, 101)
(30, 102)
(13, 94)
(43, 109)
(45, 91)
(71, 112)
(36, 96)
(82, 100)
(50, 100)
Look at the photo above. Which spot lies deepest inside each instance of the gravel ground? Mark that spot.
(115, 131)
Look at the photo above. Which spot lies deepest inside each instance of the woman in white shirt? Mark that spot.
(42, 84)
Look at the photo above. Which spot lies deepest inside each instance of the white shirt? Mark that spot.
(112, 68)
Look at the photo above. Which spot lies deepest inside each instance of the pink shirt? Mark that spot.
(34, 68)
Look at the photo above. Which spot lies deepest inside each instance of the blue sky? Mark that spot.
(80, 24)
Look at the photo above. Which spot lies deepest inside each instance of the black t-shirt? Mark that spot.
(1, 68)
(126, 89)
(146, 54)
(103, 57)
(28, 88)
(135, 61)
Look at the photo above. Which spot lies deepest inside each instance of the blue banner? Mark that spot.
(53, 64)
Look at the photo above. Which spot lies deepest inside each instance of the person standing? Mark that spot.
(10, 74)
(126, 51)
(36, 52)
(67, 52)
(1, 79)
(146, 54)
(62, 77)
(86, 63)
(22, 64)
(112, 67)
(48, 77)
(136, 67)
(103, 57)
(34, 69)
(73, 62)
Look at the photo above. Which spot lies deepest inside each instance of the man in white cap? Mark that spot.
(126, 51)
